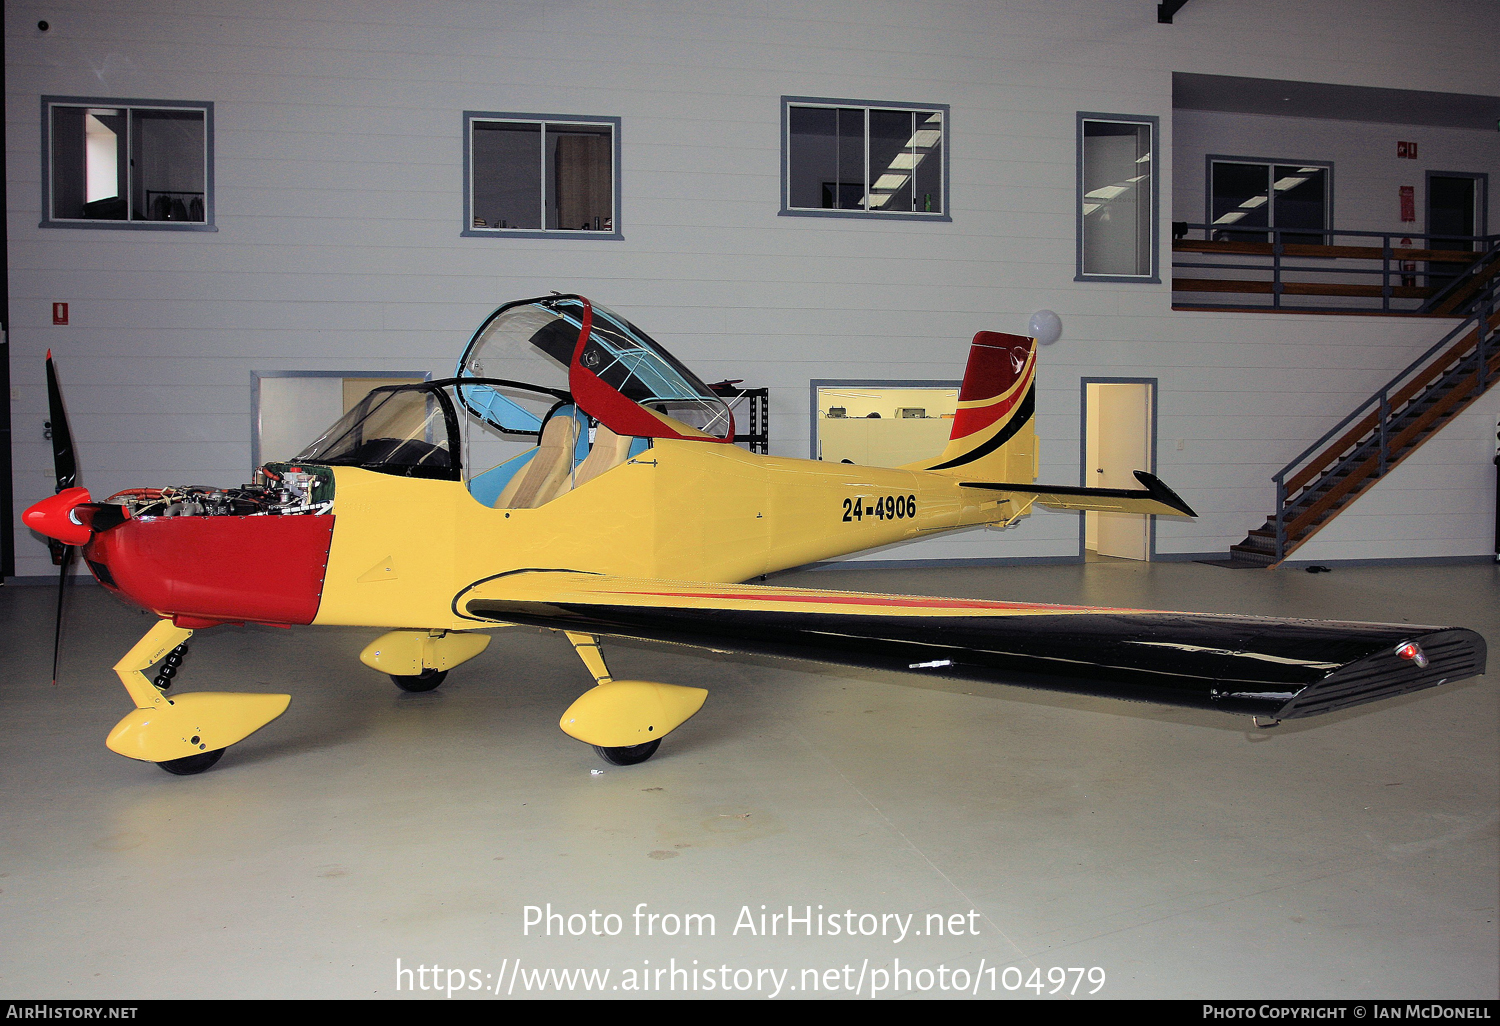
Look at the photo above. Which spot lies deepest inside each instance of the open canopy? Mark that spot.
(528, 360)
(615, 372)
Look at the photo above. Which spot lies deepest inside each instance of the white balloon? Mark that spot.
(1046, 327)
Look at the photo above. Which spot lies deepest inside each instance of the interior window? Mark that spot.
(1117, 198)
(864, 159)
(291, 408)
(145, 166)
(540, 175)
(883, 426)
(1249, 195)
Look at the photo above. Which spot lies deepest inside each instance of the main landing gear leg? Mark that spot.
(189, 733)
(625, 720)
(592, 653)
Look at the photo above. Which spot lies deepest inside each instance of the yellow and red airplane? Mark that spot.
(626, 511)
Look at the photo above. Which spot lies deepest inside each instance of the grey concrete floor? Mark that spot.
(1181, 853)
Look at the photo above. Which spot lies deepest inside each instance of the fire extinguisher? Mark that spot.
(1408, 267)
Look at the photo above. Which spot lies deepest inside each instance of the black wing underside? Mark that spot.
(1272, 668)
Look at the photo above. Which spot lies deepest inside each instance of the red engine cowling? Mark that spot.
(217, 569)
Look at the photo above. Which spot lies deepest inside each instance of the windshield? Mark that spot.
(406, 430)
(619, 375)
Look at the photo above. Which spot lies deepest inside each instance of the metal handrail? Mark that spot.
(1479, 319)
(1488, 247)
(1436, 299)
(1326, 232)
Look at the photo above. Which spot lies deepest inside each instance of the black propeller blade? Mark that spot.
(63, 460)
(65, 464)
(62, 585)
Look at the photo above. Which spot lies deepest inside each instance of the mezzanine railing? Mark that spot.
(1307, 270)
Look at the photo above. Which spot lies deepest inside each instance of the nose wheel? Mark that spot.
(184, 734)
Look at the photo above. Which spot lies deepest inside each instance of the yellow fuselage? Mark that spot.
(403, 548)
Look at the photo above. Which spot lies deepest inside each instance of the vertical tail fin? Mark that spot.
(994, 432)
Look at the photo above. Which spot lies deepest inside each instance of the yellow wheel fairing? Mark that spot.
(624, 713)
(162, 728)
(407, 653)
(192, 724)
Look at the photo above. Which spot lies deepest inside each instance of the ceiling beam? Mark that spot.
(1166, 9)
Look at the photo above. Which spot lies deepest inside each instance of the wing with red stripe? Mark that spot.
(1270, 667)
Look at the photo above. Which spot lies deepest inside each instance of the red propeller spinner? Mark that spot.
(57, 516)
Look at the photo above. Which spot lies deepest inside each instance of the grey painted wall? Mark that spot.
(339, 164)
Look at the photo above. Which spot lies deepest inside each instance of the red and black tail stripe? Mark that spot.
(1022, 415)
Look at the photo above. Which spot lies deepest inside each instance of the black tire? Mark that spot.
(427, 680)
(190, 764)
(629, 755)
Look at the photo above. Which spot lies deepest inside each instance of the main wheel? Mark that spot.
(190, 764)
(418, 682)
(630, 754)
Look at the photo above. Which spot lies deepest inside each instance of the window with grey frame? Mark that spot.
(1117, 198)
(1246, 196)
(847, 158)
(535, 175)
(126, 163)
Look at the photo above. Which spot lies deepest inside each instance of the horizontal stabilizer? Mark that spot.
(1155, 497)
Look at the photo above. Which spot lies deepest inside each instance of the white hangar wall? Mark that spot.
(338, 142)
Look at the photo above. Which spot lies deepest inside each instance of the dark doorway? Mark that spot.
(1456, 206)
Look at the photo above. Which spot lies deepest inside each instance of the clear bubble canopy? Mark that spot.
(615, 372)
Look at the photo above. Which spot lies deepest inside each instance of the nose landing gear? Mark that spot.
(186, 734)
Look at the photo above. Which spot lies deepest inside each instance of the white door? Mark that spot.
(1119, 443)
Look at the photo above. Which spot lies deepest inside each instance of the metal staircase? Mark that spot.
(1387, 427)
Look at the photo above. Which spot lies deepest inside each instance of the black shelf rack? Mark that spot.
(755, 401)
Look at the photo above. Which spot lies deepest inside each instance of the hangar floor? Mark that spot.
(1182, 853)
